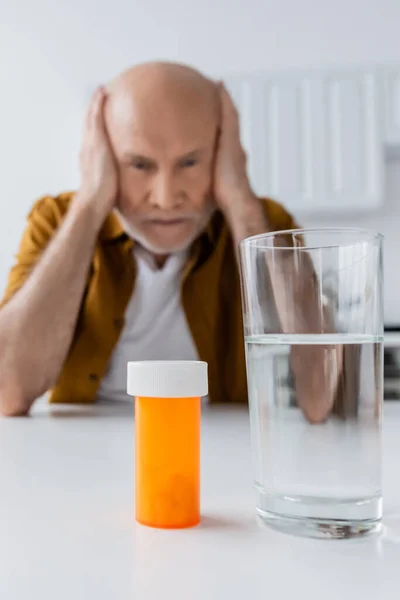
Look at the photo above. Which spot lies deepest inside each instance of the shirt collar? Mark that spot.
(111, 229)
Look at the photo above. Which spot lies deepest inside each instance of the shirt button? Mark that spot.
(118, 323)
(93, 377)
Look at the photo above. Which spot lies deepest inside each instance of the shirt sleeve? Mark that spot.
(278, 217)
(42, 222)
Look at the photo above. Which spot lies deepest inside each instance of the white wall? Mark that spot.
(52, 54)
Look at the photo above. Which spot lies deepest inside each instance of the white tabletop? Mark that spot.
(67, 527)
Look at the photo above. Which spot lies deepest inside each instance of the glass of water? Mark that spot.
(313, 325)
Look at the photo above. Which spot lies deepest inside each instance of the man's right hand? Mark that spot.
(99, 178)
(42, 309)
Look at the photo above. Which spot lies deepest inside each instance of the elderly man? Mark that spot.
(140, 262)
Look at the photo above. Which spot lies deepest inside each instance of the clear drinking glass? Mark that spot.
(313, 325)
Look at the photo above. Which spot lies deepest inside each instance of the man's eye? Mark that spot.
(140, 165)
(189, 162)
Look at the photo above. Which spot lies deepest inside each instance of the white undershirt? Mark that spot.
(155, 323)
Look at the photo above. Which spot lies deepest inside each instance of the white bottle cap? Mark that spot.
(167, 379)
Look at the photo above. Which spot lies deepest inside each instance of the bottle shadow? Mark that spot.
(217, 522)
(80, 411)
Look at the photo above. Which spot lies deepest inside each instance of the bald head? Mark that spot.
(161, 100)
(162, 120)
(151, 82)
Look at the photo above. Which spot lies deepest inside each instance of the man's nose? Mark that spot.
(165, 192)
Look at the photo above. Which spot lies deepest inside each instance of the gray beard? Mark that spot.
(141, 239)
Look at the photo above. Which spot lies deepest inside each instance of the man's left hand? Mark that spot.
(231, 184)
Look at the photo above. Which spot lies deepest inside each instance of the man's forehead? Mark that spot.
(155, 141)
(179, 126)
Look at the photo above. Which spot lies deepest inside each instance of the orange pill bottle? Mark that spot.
(167, 440)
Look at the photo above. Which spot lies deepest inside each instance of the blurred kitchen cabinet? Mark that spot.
(314, 140)
(391, 90)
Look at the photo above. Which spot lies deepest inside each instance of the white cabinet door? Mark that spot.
(391, 87)
(354, 141)
(314, 140)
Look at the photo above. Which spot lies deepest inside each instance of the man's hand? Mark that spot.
(99, 179)
(233, 195)
(42, 309)
(231, 184)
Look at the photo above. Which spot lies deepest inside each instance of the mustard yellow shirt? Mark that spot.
(210, 293)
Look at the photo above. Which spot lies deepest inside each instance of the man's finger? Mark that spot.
(99, 112)
(90, 107)
(98, 108)
(227, 101)
(230, 114)
(94, 107)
